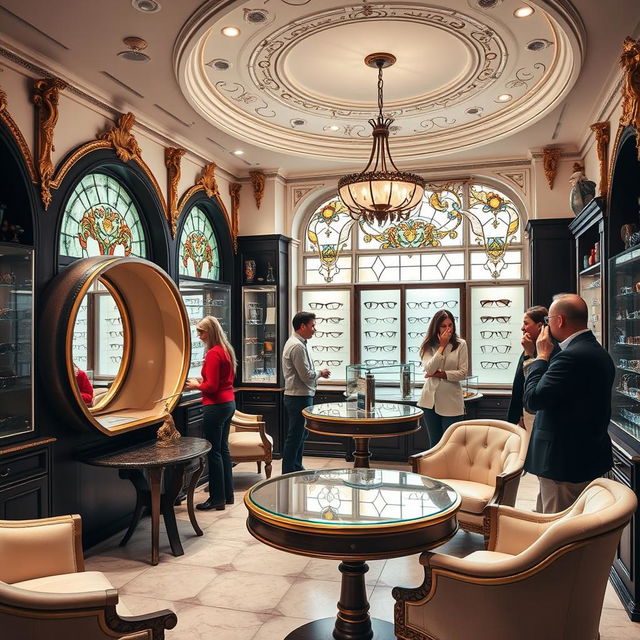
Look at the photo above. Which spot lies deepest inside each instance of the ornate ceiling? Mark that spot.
(294, 80)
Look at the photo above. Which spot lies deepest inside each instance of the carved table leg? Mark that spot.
(155, 482)
(192, 487)
(362, 453)
(173, 484)
(142, 500)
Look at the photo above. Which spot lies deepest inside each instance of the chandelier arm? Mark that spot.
(386, 145)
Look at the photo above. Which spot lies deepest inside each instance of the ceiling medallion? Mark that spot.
(377, 193)
(135, 51)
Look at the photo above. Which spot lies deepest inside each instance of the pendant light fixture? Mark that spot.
(378, 192)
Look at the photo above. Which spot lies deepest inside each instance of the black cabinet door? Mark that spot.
(26, 500)
(493, 407)
(394, 449)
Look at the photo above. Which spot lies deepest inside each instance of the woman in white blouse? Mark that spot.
(445, 361)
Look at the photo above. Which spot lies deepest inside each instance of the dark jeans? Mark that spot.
(437, 425)
(217, 422)
(296, 434)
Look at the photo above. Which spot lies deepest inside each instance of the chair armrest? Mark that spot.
(46, 601)
(247, 416)
(245, 425)
(506, 488)
(434, 462)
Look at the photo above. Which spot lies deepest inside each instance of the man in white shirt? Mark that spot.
(300, 380)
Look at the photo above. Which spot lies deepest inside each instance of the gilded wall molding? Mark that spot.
(602, 131)
(234, 192)
(550, 157)
(208, 181)
(122, 140)
(16, 134)
(45, 97)
(630, 63)
(172, 159)
(257, 181)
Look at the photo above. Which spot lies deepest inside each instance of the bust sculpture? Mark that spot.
(582, 190)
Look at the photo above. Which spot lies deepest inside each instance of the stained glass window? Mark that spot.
(199, 255)
(101, 218)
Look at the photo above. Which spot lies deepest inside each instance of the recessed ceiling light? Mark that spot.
(523, 12)
(238, 152)
(504, 97)
(487, 4)
(219, 64)
(146, 6)
(134, 52)
(231, 32)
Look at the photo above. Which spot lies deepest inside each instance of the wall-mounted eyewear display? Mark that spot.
(501, 319)
(116, 359)
(330, 319)
(328, 334)
(413, 349)
(380, 334)
(327, 347)
(371, 304)
(495, 334)
(380, 347)
(112, 334)
(441, 304)
(371, 320)
(326, 305)
(416, 334)
(329, 363)
(423, 319)
(495, 348)
(116, 320)
(424, 304)
(502, 302)
(500, 364)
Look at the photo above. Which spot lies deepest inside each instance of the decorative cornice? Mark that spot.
(550, 157)
(630, 63)
(257, 180)
(603, 132)
(300, 192)
(172, 158)
(121, 138)
(45, 98)
(234, 192)
(15, 132)
(519, 178)
(208, 181)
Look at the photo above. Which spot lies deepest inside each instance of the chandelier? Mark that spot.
(378, 193)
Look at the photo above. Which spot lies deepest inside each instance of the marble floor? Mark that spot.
(228, 585)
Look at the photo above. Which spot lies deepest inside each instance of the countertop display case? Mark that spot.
(394, 382)
(16, 336)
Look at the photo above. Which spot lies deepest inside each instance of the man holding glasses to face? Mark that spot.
(571, 395)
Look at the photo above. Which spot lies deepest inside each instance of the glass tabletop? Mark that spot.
(349, 410)
(353, 497)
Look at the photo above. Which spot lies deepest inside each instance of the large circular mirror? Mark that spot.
(119, 343)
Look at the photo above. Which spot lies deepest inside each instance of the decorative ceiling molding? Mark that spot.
(121, 139)
(172, 159)
(45, 98)
(603, 132)
(550, 157)
(300, 192)
(519, 178)
(630, 63)
(208, 180)
(257, 182)
(234, 192)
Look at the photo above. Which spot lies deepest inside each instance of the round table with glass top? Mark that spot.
(351, 515)
(385, 420)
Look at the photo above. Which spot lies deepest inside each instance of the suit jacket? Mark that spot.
(571, 396)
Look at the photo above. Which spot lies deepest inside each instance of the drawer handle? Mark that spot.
(4, 474)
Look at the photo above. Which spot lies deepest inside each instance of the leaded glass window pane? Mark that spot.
(199, 254)
(442, 266)
(411, 267)
(509, 266)
(313, 274)
(101, 218)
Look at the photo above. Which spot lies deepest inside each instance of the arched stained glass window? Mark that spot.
(199, 255)
(101, 218)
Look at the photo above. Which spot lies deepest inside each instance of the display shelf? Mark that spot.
(591, 270)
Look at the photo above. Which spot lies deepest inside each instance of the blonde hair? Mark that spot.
(215, 335)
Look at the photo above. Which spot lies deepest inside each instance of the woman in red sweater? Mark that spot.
(218, 400)
(86, 389)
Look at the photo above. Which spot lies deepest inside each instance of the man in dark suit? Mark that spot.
(571, 395)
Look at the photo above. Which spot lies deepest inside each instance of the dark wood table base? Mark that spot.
(323, 630)
(362, 454)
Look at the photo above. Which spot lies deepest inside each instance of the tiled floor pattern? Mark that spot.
(232, 587)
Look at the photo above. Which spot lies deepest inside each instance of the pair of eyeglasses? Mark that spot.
(115, 345)
(331, 319)
(116, 359)
(416, 334)
(419, 305)
(380, 305)
(81, 321)
(215, 303)
(117, 320)
(326, 305)
(495, 334)
(423, 319)
(79, 347)
(495, 348)
(502, 302)
(380, 347)
(501, 319)
(414, 349)
(112, 334)
(371, 320)
(327, 347)
(380, 334)
(329, 363)
(500, 364)
(80, 334)
(378, 363)
(328, 334)
(449, 304)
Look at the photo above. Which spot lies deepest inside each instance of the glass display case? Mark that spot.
(16, 337)
(469, 387)
(496, 313)
(391, 382)
(259, 334)
(624, 339)
(202, 299)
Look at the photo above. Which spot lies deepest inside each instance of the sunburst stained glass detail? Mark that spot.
(199, 254)
(495, 224)
(437, 222)
(328, 234)
(101, 218)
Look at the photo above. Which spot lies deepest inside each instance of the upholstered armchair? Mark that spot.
(45, 592)
(482, 460)
(542, 576)
(249, 442)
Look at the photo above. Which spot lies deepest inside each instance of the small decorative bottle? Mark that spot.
(592, 257)
(270, 276)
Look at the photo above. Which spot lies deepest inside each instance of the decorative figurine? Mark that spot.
(167, 432)
(249, 270)
(626, 233)
(582, 191)
(270, 276)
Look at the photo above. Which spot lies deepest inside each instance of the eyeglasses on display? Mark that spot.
(116, 359)
(79, 347)
(380, 347)
(370, 304)
(413, 349)
(327, 347)
(416, 334)
(215, 303)
(328, 334)
(112, 334)
(80, 334)
(449, 304)
(331, 319)
(626, 290)
(502, 302)
(425, 304)
(116, 320)
(380, 334)
(379, 363)
(495, 348)
(423, 319)
(371, 320)
(115, 345)
(329, 363)
(495, 334)
(502, 319)
(500, 364)
(326, 305)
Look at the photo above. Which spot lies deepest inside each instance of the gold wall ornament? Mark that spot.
(550, 157)
(16, 134)
(257, 181)
(45, 98)
(630, 63)
(603, 132)
(172, 158)
(234, 192)
(121, 138)
(208, 181)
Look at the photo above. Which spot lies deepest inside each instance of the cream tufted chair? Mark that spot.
(249, 442)
(543, 575)
(46, 593)
(482, 460)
